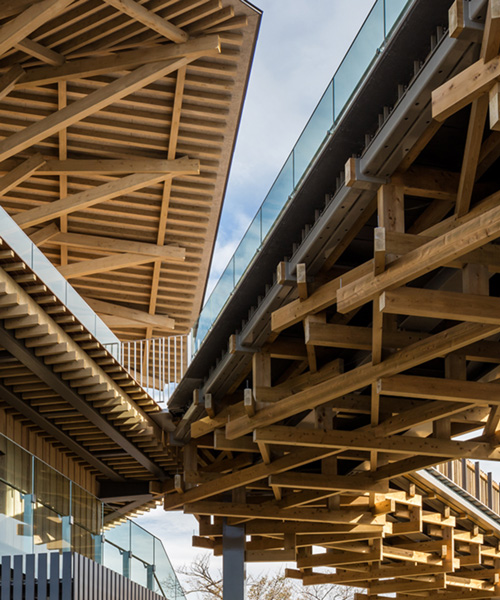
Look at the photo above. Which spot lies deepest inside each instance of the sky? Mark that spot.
(300, 45)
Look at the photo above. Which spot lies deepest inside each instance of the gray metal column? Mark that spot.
(233, 562)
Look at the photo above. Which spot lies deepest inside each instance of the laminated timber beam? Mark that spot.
(364, 440)
(90, 67)
(108, 308)
(102, 265)
(9, 80)
(149, 19)
(125, 166)
(95, 101)
(33, 17)
(438, 304)
(465, 237)
(87, 198)
(106, 244)
(47, 426)
(420, 352)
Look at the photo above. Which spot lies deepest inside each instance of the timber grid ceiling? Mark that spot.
(309, 434)
(118, 119)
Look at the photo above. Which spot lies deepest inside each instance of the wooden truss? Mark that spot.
(118, 120)
(369, 371)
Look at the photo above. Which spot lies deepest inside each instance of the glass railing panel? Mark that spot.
(222, 290)
(84, 542)
(166, 580)
(360, 56)
(112, 558)
(138, 572)
(313, 135)
(16, 466)
(49, 274)
(16, 521)
(51, 530)
(246, 250)
(52, 489)
(277, 197)
(15, 237)
(119, 535)
(393, 11)
(79, 307)
(86, 510)
(142, 543)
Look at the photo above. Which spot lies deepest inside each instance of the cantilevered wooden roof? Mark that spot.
(118, 120)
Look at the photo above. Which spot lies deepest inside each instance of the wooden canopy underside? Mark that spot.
(309, 429)
(118, 119)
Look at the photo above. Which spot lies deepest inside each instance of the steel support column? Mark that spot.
(233, 561)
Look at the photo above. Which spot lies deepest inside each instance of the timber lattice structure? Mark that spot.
(374, 350)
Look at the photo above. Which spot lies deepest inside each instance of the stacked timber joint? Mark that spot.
(367, 367)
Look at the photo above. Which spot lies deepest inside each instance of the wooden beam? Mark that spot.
(20, 173)
(448, 390)
(469, 235)
(41, 52)
(95, 101)
(435, 346)
(103, 265)
(313, 481)
(477, 120)
(331, 335)
(150, 19)
(426, 182)
(44, 234)
(9, 80)
(107, 308)
(461, 90)
(82, 240)
(321, 515)
(244, 477)
(364, 440)
(438, 304)
(428, 412)
(32, 18)
(90, 67)
(125, 166)
(85, 199)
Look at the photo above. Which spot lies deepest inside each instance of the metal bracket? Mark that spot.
(355, 178)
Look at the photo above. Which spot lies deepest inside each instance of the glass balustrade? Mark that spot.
(42, 511)
(48, 273)
(364, 51)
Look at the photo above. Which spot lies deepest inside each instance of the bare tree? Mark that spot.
(201, 580)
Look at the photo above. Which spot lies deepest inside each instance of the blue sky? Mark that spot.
(300, 45)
